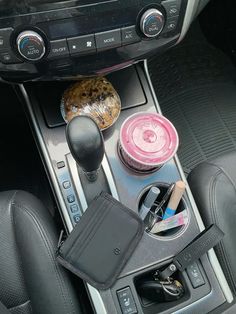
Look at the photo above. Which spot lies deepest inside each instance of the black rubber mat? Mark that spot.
(196, 88)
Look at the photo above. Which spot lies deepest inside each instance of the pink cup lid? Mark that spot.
(149, 138)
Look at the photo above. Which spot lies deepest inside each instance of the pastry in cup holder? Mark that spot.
(95, 97)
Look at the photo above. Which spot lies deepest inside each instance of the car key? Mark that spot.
(205, 241)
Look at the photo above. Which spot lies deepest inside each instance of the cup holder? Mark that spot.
(171, 233)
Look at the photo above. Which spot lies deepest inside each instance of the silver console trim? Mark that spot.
(43, 149)
(110, 180)
(211, 254)
(189, 15)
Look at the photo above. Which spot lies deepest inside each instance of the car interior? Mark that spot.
(118, 153)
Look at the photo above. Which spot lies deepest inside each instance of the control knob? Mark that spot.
(30, 45)
(152, 22)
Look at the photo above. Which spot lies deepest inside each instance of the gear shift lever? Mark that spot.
(86, 144)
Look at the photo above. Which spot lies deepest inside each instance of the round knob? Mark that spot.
(31, 45)
(152, 23)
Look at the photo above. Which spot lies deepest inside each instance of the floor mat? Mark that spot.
(196, 87)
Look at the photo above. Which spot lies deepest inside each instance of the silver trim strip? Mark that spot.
(97, 300)
(189, 15)
(50, 169)
(211, 254)
(94, 294)
(110, 179)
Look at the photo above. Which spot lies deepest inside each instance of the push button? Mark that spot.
(195, 275)
(108, 39)
(82, 44)
(129, 35)
(9, 58)
(59, 48)
(66, 185)
(5, 34)
(60, 165)
(172, 7)
(76, 218)
(126, 301)
(71, 198)
(74, 208)
(171, 24)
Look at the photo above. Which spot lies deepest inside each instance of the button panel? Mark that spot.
(91, 43)
(69, 195)
(126, 301)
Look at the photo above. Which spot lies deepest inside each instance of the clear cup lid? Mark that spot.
(149, 138)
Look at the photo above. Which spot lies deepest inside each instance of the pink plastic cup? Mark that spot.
(147, 141)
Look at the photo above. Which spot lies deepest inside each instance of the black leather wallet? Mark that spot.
(102, 242)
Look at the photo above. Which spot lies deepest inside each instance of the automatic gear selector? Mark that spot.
(86, 144)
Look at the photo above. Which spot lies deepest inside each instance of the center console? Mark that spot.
(44, 45)
(203, 293)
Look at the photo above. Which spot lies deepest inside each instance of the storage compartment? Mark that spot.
(170, 233)
(151, 299)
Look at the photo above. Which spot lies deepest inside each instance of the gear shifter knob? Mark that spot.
(86, 144)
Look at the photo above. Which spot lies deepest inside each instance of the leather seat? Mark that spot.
(31, 281)
(213, 184)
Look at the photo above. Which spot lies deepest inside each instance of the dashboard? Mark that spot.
(48, 39)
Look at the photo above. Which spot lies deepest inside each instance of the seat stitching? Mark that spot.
(10, 202)
(224, 172)
(50, 254)
(19, 306)
(47, 246)
(216, 219)
(221, 248)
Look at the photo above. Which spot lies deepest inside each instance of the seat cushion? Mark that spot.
(213, 185)
(31, 280)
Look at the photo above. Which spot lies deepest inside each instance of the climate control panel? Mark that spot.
(87, 43)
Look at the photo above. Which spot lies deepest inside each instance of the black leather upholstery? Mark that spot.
(3, 309)
(31, 281)
(213, 185)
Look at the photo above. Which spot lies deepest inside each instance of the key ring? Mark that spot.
(170, 292)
